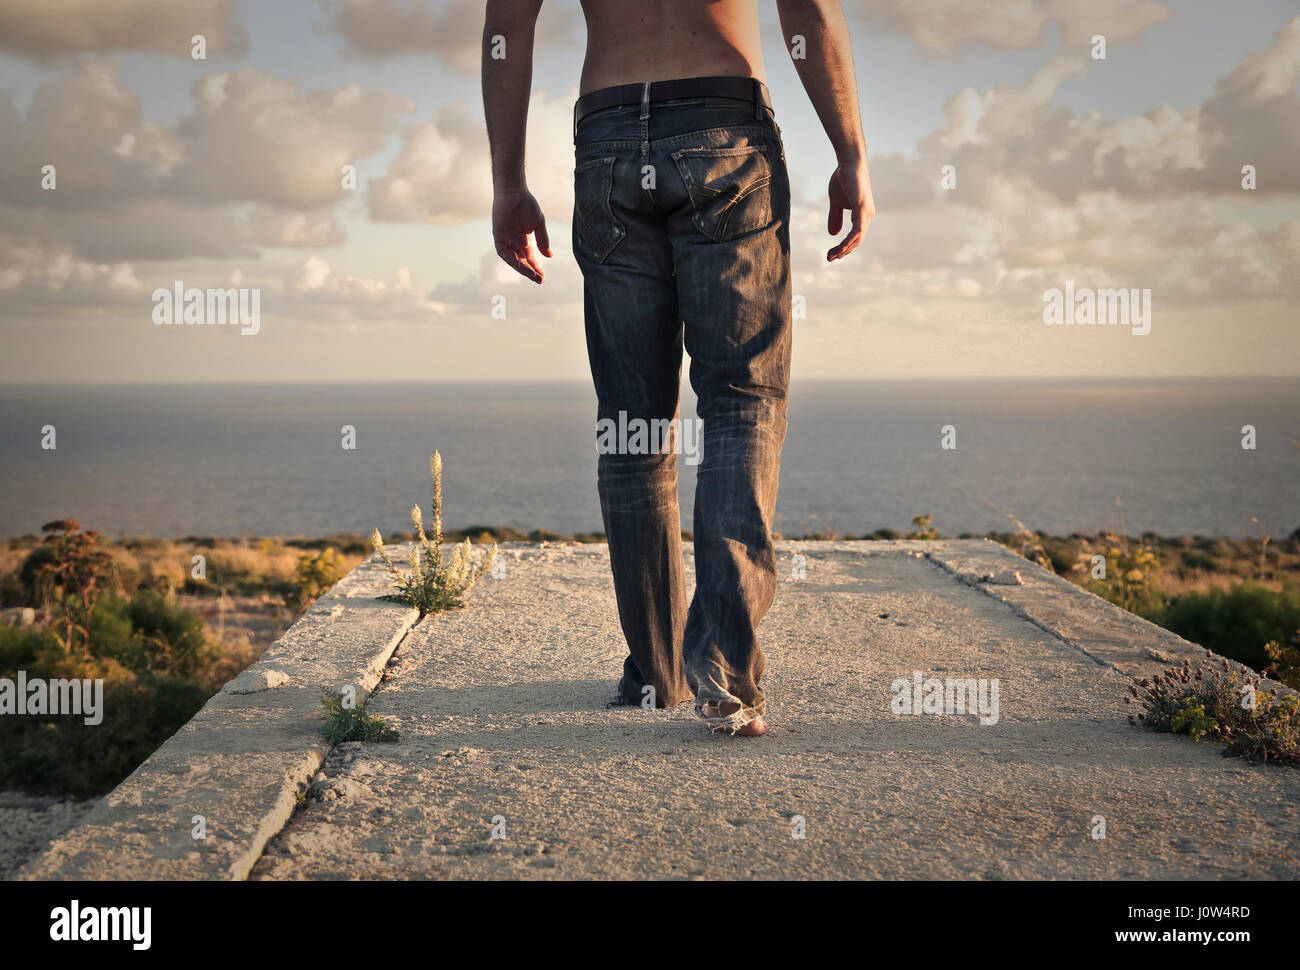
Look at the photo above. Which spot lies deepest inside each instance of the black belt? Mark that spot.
(741, 88)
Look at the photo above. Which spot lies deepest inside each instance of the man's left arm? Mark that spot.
(507, 81)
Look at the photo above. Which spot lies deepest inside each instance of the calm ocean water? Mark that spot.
(266, 459)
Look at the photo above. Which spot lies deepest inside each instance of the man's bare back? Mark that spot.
(654, 40)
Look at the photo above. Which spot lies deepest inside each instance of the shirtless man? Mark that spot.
(681, 230)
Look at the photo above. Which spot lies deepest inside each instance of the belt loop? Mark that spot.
(758, 100)
(575, 122)
(645, 122)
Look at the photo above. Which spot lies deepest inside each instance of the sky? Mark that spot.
(1117, 172)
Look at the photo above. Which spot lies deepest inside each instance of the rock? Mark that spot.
(1005, 577)
(253, 681)
(19, 616)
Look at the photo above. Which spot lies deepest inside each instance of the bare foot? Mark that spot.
(751, 729)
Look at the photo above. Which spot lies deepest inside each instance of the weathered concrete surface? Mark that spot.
(501, 709)
(241, 760)
(28, 823)
(1109, 635)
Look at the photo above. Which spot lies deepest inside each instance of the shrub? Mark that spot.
(1130, 580)
(1284, 661)
(30, 573)
(1062, 553)
(171, 638)
(73, 577)
(1223, 704)
(487, 533)
(1237, 622)
(923, 528)
(62, 754)
(352, 723)
(314, 575)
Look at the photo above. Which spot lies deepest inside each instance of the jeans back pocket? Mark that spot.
(729, 188)
(595, 227)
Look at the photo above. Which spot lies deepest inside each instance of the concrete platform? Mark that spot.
(504, 730)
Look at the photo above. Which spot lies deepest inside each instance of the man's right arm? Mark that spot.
(506, 84)
(827, 74)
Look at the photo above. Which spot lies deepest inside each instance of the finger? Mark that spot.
(531, 260)
(513, 248)
(543, 239)
(835, 220)
(852, 240)
(846, 246)
(526, 255)
(511, 258)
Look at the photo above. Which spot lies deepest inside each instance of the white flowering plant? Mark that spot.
(434, 584)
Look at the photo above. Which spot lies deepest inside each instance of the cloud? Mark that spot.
(451, 30)
(89, 126)
(943, 26)
(36, 278)
(46, 30)
(254, 137)
(315, 289)
(33, 276)
(1044, 194)
(443, 172)
(1253, 117)
(257, 161)
(1019, 136)
(141, 230)
(280, 227)
(474, 294)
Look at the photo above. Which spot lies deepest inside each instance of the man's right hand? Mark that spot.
(515, 214)
(850, 189)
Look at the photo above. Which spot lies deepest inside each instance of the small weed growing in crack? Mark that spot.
(1222, 704)
(432, 584)
(352, 723)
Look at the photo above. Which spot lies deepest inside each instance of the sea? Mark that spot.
(1208, 457)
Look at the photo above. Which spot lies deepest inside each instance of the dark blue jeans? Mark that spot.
(681, 229)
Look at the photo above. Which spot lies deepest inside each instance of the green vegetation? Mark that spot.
(923, 528)
(126, 614)
(156, 665)
(344, 723)
(434, 584)
(1222, 704)
(1127, 576)
(1246, 622)
(315, 574)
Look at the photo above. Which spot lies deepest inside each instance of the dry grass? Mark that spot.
(1174, 584)
(245, 602)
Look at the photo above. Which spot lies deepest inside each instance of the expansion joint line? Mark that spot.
(1024, 614)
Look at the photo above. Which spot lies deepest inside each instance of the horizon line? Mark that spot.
(225, 382)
